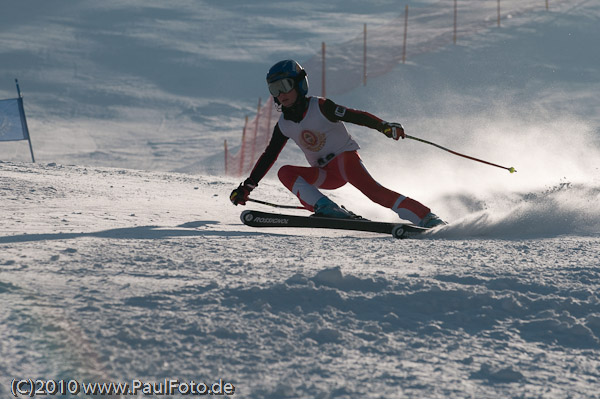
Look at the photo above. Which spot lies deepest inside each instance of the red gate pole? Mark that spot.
(253, 158)
(405, 33)
(455, 18)
(498, 13)
(226, 158)
(323, 70)
(365, 57)
(269, 112)
(243, 148)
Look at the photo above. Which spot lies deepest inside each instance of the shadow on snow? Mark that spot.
(189, 229)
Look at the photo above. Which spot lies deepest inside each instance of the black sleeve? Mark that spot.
(335, 113)
(269, 156)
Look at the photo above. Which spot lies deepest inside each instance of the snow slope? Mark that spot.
(121, 257)
(115, 275)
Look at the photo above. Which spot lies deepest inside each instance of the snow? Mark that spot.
(121, 257)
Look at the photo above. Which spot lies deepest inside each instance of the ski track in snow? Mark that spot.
(110, 274)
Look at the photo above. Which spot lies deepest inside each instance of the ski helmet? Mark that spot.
(288, 69)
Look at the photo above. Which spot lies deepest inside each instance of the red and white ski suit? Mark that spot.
(333, 158)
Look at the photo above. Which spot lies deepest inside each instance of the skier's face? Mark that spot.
(288, 99)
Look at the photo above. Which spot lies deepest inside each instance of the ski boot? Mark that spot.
(329, 209)
(431, 220)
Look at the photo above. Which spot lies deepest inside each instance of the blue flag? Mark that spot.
(12, 120)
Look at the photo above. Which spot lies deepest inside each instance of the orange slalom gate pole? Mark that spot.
(243, 148)
(455, 19)
(256, 125)
(405, 33)
(365, 57)
(323, 70)
(498, 13)
(226, 158)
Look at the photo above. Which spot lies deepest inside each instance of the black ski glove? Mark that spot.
(392, 129)
(240, 195)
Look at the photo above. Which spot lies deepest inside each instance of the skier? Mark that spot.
(316, 125)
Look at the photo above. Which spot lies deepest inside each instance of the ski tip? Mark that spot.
(398, 231)
(402, 231)
(246, 216)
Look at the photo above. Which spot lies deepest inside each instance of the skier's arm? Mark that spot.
(269, 156)
(335, 113)
(265, 162)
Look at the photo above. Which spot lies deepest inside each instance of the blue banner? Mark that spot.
(11, 120)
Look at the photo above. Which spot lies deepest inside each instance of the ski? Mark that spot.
(266, 219)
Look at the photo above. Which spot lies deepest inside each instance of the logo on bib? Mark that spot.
(312, 141)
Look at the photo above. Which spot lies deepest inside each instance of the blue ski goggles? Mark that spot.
(281, 86)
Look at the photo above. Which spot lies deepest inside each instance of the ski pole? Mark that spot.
(511, 169)
(276, 205)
